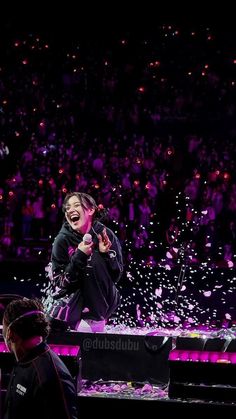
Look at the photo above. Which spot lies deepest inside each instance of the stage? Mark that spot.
(140, 371)
(129, 365)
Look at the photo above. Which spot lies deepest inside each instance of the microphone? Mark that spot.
(87, 239)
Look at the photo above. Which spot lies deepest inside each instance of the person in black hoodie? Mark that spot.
(86, 263)
(40, 385)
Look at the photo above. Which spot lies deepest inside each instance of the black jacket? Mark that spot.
(41, 387)
(82, 286)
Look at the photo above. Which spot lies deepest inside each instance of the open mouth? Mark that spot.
(74, 218)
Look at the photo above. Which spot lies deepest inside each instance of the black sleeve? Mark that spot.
(114, 257)
(55, 395)
(66, 269)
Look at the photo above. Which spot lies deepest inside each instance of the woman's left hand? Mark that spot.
(104, 242)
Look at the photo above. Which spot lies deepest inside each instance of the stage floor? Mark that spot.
(199, 331)
(147, 403)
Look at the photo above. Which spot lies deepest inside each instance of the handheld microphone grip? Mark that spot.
(87, 238)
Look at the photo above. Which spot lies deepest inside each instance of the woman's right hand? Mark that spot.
(86, 248)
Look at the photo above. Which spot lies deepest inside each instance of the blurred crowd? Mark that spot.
(146, 126)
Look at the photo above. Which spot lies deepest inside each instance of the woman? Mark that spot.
(86, 264)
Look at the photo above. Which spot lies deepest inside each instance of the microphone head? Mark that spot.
(87, 239)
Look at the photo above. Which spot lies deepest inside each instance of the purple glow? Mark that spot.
(202, 356)
(193, 356)
(66, 350)
(3, 347)
(185, 356)
(233, 357)
(174, 355)
(214, 356)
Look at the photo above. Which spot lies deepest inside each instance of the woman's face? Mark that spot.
(80, 219)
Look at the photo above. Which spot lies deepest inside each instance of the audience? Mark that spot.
(134, 123)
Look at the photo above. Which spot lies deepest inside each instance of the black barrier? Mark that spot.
(121, 357)
(203, 369)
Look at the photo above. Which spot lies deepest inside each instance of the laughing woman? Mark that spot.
(86, 263)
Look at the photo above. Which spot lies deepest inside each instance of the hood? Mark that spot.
(67, 230)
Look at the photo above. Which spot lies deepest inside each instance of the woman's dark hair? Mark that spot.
(87, 202)
(35, 324)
